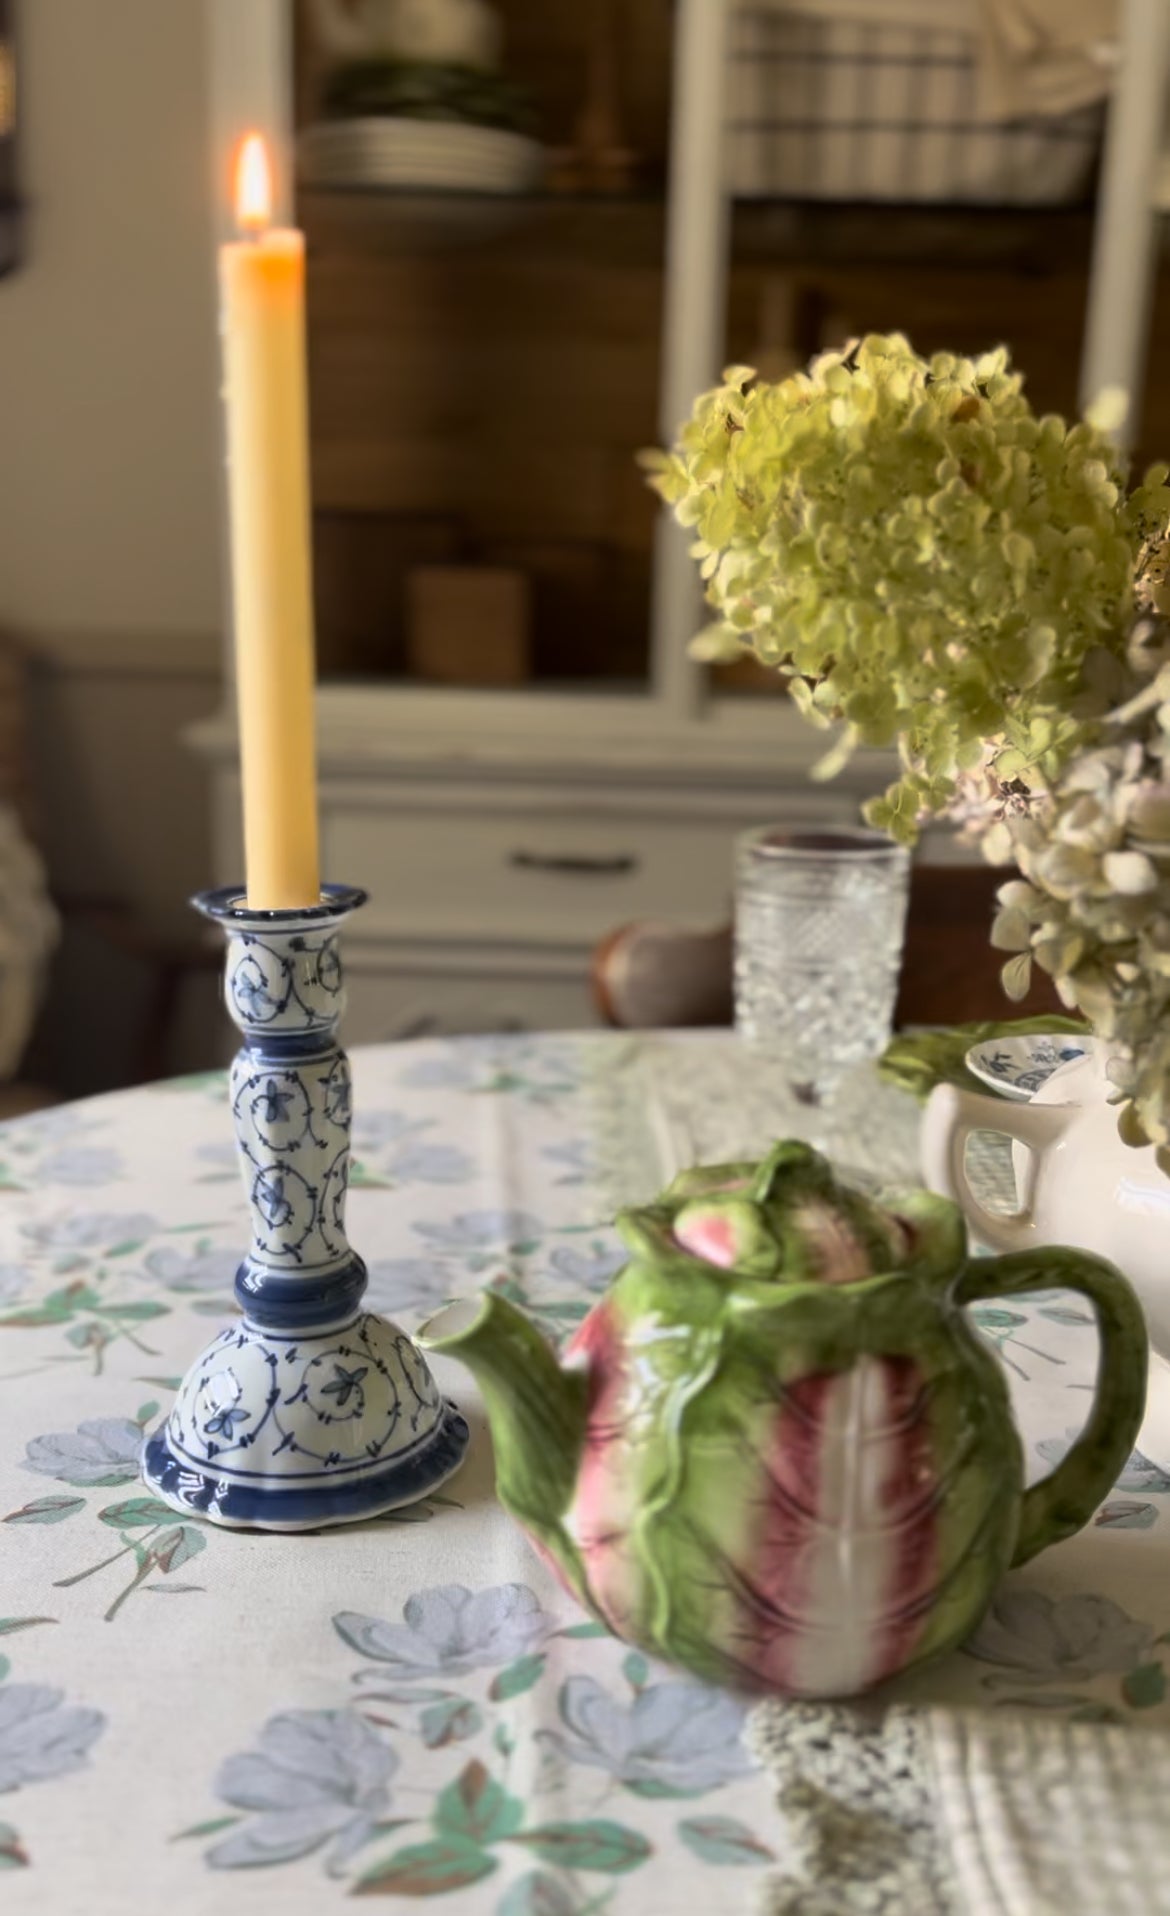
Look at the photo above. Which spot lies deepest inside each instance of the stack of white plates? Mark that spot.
(412, 155)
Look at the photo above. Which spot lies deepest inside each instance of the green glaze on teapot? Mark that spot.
(776, 1451)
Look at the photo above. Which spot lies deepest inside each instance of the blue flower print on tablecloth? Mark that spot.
(408, 1287)
(42, 1737)
(81, 1164)
(13, 1282)
(450, 1630)
(1141, 1474)
(535, 1070)
(676, 1737)
(1140, 1478)
(576, 1160)
(389, 1147)
(590, 1269)
(496, 1245)
(57, 1147)
(220, 1158)
(424, 1161)
(1043, 1639)
(446, 1072)
(480, 1237)
(105, 1233)
(378, 1130)
(474, 1789)
(102, 1450)
(43, 1127)
(504, 1248)
(317, 1776)
(200, 1268)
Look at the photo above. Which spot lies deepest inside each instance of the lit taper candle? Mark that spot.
(262, 278)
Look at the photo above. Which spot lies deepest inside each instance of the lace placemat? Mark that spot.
(660, 1107)
(964, 1813)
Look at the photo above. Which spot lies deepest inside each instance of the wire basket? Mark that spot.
(831, 109)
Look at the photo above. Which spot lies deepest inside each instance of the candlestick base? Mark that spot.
(292, 1433)
(308, 1411)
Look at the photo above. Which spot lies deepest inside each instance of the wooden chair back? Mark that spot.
(650, 974)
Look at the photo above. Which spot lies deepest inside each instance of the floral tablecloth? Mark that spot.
(195, 1720)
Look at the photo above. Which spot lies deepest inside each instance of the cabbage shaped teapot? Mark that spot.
(776, 1452)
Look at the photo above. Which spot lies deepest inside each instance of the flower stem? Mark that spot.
(144, 1570)
(63, 1583)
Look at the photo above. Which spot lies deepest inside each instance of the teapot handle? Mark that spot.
(1064, 1501)
(950, 1117)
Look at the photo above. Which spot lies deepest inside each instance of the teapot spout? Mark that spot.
(536, 1410)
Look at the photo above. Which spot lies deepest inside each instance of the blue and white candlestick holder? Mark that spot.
(309, 1411)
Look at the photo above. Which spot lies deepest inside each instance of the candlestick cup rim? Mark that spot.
(228, 905)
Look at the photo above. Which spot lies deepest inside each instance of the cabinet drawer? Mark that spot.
(537, 876)
(404, 1003)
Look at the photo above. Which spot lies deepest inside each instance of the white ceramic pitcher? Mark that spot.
(1078, 1184)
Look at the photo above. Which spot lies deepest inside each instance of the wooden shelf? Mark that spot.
(1028, 240)
(775, 231)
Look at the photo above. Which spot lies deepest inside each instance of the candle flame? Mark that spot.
(253, 185)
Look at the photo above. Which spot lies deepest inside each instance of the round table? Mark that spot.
(195, 1719)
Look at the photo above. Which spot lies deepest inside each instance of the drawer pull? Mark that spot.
(573, 864)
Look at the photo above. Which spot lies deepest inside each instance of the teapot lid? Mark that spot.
(791, 1220)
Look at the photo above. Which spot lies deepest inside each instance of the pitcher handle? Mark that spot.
(1064, 1501)
(950, 1117)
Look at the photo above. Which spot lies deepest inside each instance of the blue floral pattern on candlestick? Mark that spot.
(225, 1421)
(240, 1414)
(345, 1382)
(286, 981)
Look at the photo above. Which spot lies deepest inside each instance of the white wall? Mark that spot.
(108, 447)
(109, 489)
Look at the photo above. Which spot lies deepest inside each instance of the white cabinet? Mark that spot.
(496, 860)
(502, 834)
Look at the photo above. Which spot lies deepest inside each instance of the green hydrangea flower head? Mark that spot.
(927, 562)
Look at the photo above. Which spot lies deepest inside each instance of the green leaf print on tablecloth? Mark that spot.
(72, 1278)
(721, 1839)
(101, 1453)
(46, 1510)
(532, 1070)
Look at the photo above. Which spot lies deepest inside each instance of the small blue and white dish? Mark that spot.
(1016, 1067)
